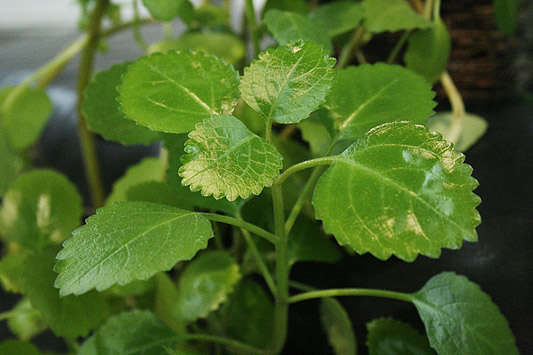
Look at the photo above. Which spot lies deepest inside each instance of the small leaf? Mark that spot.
(173, 92)
(205, 284)
(390, 337)
(24, 112)
(126, 242)
(400, 190)
(10, 162)
(288, 27)
(133, 333)
(461, 319)
(473, 129)
(17, 347)
(101, 109)
(308, 243)
(226, 159)
(369, 95)
(41, 206)
(249, 314)
(338, 327)
(68, 317)
(286, 84)
(506, 13)
(147, 170)
(11, 269)
(392, 16)
(27, 321)
(338, 17)
(166, 10)
(316, 134)
(211, 17)
(428, 51)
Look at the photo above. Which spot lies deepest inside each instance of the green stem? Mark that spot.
(252, 228)
(305, 165)
(137, 35)
(268, 130)
(350, 47)
(458, 108)
(398, 47)
(247, 349)
(252, 25)
(351, 292)
(281, 307)
(90, 159)
(428, 7)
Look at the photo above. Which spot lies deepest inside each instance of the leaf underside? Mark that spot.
(400, 190)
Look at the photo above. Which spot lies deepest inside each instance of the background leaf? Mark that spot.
(299, 6)
(11, 271)
(369, 95)
(338, 17)
(390, 337)
(225, 159)
(173, 92)
(392, 16)
(17, 347)
(126, 242)
(338, 327)
(461, 319)
(400, 190)
(10, 162)
(286, 84)
(40, 207)
(474, 127)
(288, 26)
(506, 13)
(166, 10)
(101, 109)
(205, 284)
(27, 323)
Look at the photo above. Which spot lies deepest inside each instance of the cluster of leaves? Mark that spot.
(157, 270)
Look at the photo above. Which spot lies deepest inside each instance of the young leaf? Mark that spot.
(40, 207)
(17, 347)
(205, 284)
(126, 242)
(226, 159)
(338, 17)
(101, 109)
(428, 51)
(10, 162)
(23, 113)
(70, 316)
(506, 13)
(461, 319)
(288, 27)
(147, 170)
(390, 337)
(173, 92)
(392, 16)
(473, 129)
(400, 190)
(133, 333)
(27, 321)
(369, 95)
(249, 314)
(338, 327)
(286, 84)
(166, 10)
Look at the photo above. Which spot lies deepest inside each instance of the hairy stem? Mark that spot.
(252, 25)
(458, 108)
(268, 130)
(350, 47)
(252, 228)
(305, 165)
(351, 292)
(90, 159)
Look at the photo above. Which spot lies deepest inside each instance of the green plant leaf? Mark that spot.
(158, 192)
(338, 327)
(166, 295)
(126, 242)
(400, 190)
(369, 95)
(133, 333)
(40, 207)
(428, 51)
(11, 269)
(147, 170)
(461, 319)
(101, 109)
(134, 288)
(17, 347)
(286, 84)
(316, 133)
(24, 111)
(166, 10)
(68, 317)
(210, 16)
(288, 26)
(392, 16)
(249, 314)
(338, 17)
(10, 162)
(506, 13)
(388, 336)
(173, 92)
(27, 323)
(299, 6)
(223, 45)
(225, 159)
(473, 129)
(205, 284)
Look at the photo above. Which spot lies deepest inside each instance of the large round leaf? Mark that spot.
(400, 190)
(173, 92)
